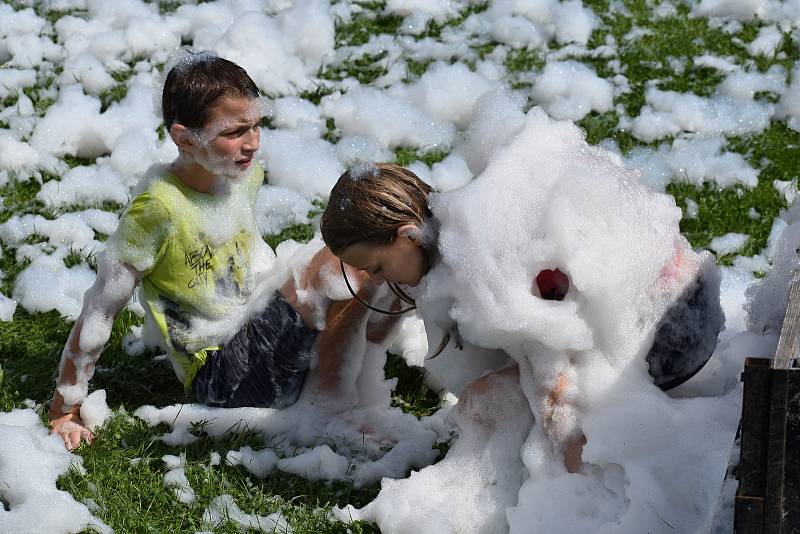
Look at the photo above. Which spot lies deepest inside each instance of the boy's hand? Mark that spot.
(70, 428)
(68, 423)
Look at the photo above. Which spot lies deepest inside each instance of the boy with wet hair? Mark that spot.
(189, 240)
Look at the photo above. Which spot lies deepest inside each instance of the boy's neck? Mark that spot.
(196, 177)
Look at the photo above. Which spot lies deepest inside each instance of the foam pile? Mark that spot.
(576, 208)
(31, 460)
(320, 440)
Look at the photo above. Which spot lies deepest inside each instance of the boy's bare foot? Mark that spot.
(71, 429)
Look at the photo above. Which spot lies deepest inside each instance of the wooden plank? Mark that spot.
(791, 469)
(787, 344)
(755, 428)
(748, 515)
(776, 452)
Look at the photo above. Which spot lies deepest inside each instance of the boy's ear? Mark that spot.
(410, 231)
(181, 136)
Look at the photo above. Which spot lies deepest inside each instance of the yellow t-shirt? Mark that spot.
(195, 252)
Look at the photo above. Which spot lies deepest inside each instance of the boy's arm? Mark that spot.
(110, 292)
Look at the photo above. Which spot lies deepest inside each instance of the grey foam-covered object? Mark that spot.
(687, 334)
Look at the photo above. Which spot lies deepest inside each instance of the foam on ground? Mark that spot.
(31, 460)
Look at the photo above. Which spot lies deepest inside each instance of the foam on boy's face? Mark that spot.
(230, 138)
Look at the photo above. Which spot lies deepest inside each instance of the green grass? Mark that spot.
(302, 233)
(372, 21)
(316, 94)
(365, 68)
(524, 60)
(19, 197)
(122, 488)
(435, 27)
(721, 211)
(405, 156)
(113, 94)
(411, 393)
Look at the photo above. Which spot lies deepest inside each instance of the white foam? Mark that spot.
(13, 80)
(596, 336)
(260, 463)
(769, 39)
(696, 160)
(278, 207)
(223, 510)
(571, 90)
(292, 159)
(450, 173)
(498, 117)
(790, 101)
(668, 113)
(353, 148)
(788, 189)
(446, 92)
(392, 122)
(94, 410)
(7, 308)
(728, 243)
(31, 460)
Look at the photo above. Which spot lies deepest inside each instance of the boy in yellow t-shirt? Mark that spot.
(189, 238)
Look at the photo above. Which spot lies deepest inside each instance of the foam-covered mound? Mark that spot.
(651, 463)
(31, 460)
(767, 299)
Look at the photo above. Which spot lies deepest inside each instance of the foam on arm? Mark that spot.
(560, 415)
(102, 302)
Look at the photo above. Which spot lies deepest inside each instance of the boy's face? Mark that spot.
(230, 138)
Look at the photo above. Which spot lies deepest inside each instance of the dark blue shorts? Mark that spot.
(687, 335)
(264, 365)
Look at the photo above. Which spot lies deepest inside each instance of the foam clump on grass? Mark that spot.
(7, 308)
(175, 478)
(729, 243)
(532, 25)
(393, 122)
(571, 90)
(290, 154)
(47, 284)
(260, 463)
(223, 510)
(768, 298)
(94, 410)
(446, 92)
(355, 435)
(696, 161)
(31, 460)
(669, 113)
(745, 10)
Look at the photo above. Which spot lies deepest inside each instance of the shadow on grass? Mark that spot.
(30, 349)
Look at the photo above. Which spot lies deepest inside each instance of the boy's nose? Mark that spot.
(251, 141)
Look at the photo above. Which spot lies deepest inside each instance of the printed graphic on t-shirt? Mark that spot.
(198, 261)
(220, 274)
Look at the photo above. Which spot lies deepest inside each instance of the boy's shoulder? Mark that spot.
(163, 195)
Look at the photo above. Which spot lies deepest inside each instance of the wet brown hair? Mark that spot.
(370, 202)
(197, 83)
